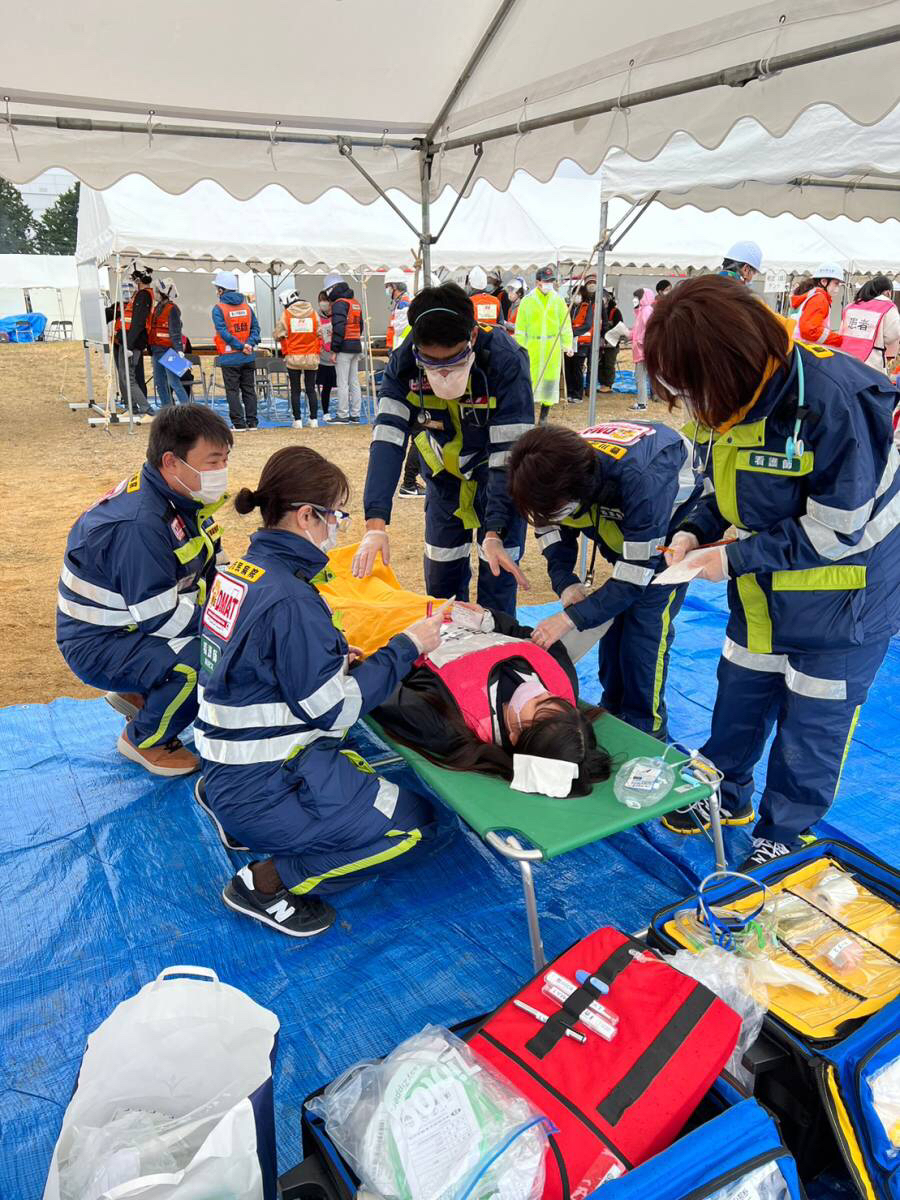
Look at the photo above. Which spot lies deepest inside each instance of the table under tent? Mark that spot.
(510, 92)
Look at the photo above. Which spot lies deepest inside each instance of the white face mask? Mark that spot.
(567, 510)
(330, 540)
(636, 302)
(450, 384)
(213, 484)
(546, 286)
(389, 292)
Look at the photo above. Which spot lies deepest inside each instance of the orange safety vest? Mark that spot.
(158, 326)
(128, 308)
(389, 339)
(302, 335)
(578, 316)
(353, 328)
(238, 321)
(487, 308)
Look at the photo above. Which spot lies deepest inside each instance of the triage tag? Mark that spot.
(643, 777)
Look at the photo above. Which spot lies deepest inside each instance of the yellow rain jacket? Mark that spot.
(544, 329)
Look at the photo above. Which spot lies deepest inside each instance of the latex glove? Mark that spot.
(679, 545)
(551, 629)
(574, 593)
(374, 542)
(569, 353)
(714, 563)
(425, 635)
(497, 559)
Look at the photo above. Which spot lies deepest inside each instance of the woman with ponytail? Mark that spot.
(279, 688)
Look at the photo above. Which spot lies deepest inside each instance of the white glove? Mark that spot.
(374, 542)
(679, 545)
(425, 635)
(574, 593)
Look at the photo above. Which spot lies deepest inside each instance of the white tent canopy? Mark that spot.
(38, 271)
(527, 226)
(824, 164)
(515, 75)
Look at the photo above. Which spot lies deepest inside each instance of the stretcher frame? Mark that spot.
(510, 846)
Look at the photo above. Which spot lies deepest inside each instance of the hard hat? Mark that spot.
(167, 288)
(478, 279)
(289, 298)
(546, 275)
(747, 253)
(495, 274)
(828, 271)
(331, 280)
(516, 282)
(227, 280)
(396, 275)
(141, 274)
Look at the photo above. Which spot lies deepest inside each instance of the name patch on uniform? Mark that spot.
(225, 600)
(177, 527)
(246, 570)
(134, 483)
(623, 433)
(211, 530)
(209, 654)
(763, 461)
(616, 452)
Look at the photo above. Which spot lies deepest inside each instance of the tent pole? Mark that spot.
(595, 347)
(126, 359)
(736, 76)
(425, 236)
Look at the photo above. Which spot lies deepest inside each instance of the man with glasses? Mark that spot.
(473, 389)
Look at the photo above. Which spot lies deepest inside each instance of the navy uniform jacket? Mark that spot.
(470, 439)
(140, 559)
(642, 481)
(817, 566)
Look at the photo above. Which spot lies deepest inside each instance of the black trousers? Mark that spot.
(606, 375)
(240, 390)
(327, 379)
(296, 375)
(574, 367)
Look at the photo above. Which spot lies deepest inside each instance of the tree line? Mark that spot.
(52, 233)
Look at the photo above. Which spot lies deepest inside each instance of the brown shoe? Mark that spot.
(169, 759)
(129, 704)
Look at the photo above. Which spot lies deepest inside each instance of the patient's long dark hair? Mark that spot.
(559, 730)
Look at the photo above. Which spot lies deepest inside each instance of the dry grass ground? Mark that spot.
(55, 465)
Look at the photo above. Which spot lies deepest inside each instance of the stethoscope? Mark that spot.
(794, 445)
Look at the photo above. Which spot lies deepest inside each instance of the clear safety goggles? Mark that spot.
(340, 516)
(441, 364)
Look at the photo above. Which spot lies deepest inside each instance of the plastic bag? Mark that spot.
(832, 890)
(433, 1122)
(763, 1183)
(643, 782)
(732, 979)
(133, 1144)
(885, 1087)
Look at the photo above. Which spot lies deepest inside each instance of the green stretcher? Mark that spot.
(530, 828)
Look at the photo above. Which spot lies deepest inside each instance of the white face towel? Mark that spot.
(543, 776)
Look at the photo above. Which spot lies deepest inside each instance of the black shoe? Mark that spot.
(764, 852)
(695, 818)
(227, 841)
(340, 420)
(353, 420)
(297, 916)
(416, 492)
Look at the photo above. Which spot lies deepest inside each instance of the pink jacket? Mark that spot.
(641, 317)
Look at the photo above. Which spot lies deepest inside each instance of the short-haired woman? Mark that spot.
(796, 442)
(473, 388)
(279, 688)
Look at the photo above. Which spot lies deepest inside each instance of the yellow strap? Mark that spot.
(607, 530)
(426, 449)
(358, 761)
(466, 511)
(756, 614)
(410, 839)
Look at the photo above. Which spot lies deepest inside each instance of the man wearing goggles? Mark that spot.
(472, 387)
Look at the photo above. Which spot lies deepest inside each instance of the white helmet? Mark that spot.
(167, 289)
(227, 280)
(517, 283)
(331, 280)
(478, 279)
(828, 271)
(747, 253)
(289, 298)
(395, 275)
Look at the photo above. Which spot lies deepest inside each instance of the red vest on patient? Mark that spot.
(466, 679)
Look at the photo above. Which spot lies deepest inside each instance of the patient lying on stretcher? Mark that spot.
(486, 694)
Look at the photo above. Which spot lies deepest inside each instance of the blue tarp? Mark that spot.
(108, 875)
(24, 327)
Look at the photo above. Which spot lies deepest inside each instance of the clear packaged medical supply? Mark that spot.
(643, 782)
(432, 1121)
(885, 1087)
(733, 979)
(763, 1183)
(133, 1144)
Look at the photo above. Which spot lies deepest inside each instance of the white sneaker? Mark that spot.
(638, 406)
(326, 417)
(296, 424)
